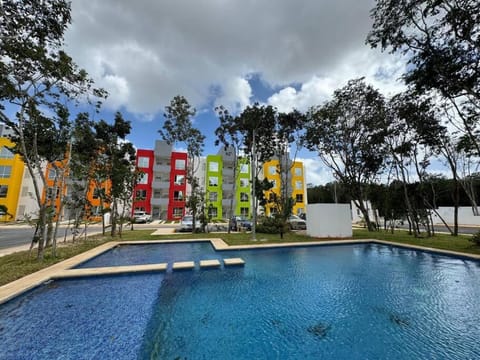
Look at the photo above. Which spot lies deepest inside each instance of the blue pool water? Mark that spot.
(330, 302)
(153, 254)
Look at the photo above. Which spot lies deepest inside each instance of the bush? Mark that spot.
(475, 238)
(271, 225)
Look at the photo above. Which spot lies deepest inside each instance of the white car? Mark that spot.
(141, 217)
(296, 223)
(187, 223)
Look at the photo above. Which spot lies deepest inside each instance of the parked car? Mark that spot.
(186, 224)
(240, 222)
(141, 217)
(295, 223)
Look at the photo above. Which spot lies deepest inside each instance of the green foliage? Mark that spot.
(272, 225)
(439, 39)
(348, 132)
(37, 79)
(476, 238)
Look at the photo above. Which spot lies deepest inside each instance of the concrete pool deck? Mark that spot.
(65, 269)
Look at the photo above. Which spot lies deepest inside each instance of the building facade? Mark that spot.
(293, 174)
(162, 188)
(11, 174)
(143, 190)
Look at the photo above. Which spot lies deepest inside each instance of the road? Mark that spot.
(16, 235)
(462, 229)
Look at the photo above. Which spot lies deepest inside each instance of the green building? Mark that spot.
(227, 185)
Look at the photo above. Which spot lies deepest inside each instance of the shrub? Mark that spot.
(475, 238)
(271, 225)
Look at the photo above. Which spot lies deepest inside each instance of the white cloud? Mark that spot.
(235, 94)
(145, 53)
(316, 172)
(382, 71)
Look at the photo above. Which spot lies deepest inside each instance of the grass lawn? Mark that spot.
(17, 265)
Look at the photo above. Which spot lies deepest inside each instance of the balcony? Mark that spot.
(161, 168)
(159, 201)
(227, 186)
(161, 185)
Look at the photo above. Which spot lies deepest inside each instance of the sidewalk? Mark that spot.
(26, 247)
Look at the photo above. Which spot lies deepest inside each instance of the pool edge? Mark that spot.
(64, 269)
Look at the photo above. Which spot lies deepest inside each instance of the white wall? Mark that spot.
(329, 220)
(465, 216)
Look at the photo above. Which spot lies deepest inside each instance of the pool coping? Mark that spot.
(65, 269)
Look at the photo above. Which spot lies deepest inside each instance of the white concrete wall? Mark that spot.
(465, 216)
(329, 220)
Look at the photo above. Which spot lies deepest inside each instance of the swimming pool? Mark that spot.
(141, 254)
(329, 302)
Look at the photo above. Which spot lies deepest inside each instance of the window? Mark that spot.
(298, 185)
(143, 179)
(3, 191)
(298, 171)
(299, 198)
(243, 182)
(244, 168)
(97, 193)
(213, 166)
(140, 194)
(50, 193)
(244, 211)
(143, 162)
(212, 212)
(213, 196)
(243, 196)
(52, 174)
(179, 179)
(177, 212)
(213, 181)
(272, 170)
(95, 211)
(179, 164)
(178, 195)
(5, 171)
(5, 153)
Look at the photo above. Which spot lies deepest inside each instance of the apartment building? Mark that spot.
(12, 168)
(162, 188)
(142, 195)
(293, 174)
(227, 184)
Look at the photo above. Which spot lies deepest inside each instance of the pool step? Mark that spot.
(205, 264)
(115, 270)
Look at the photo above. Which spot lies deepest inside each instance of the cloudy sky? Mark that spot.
(290, 54)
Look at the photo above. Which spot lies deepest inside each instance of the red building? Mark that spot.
(143, 190)
(178, 186)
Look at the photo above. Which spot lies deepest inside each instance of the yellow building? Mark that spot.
(11, 175)
(296, 190)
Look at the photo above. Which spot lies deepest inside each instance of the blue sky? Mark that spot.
(289, 54)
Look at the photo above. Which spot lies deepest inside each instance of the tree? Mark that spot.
(118, 164)
(229, 135)
(178, 128)
(83, 156)
(36, 77)
(440, 39)
(348, 132)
